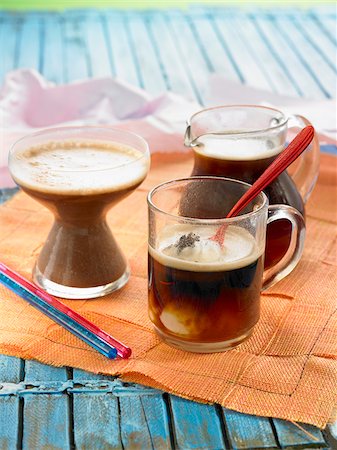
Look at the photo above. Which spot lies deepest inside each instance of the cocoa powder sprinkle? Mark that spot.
(187, 240)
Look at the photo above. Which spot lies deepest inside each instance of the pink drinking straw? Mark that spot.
(122, 350)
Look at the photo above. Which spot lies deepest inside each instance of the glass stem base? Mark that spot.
(59, 290)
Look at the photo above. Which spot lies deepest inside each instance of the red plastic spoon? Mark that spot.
(287, 157)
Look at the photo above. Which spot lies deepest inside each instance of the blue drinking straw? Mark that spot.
(59, 317)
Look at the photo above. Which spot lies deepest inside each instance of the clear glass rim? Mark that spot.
(51, 130)
(177, 181)
(225, 107)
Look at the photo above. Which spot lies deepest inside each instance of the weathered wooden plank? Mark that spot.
(313, 61)
(218, 57)
(10, 29)
(98, 46)
(144, 422)
(7, 193)
(317, 38)
(46, 422)
(145, 56)
(10, 369)
(327, 25)
(246, 431)
(286, 56)
(46, 417)
(121, 53)
(30, 42)
(96, 421)
(250, 68)
(9, 422)
(196, 426)
(83, 375)
(190, 54)
(172, 67)
(52, 61)
(76, 55)
(289, 434)
(35, 371)
(96, 416)
(264, 55)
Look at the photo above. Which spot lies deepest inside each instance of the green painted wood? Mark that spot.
(248, 431)
(289, 434)
(196, 426)
(286, 55)
(30, 42)
(144, 422)
(145, 56)
(121, 52)
(52, 60)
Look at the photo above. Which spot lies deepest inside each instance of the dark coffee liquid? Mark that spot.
(205, 306)
(281, 191)
(79, 181)
(80, 226)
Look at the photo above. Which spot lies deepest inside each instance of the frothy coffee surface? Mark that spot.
(237, 149)
(185, 247)
(79, 167)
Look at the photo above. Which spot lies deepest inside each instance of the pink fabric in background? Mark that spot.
(28, 103)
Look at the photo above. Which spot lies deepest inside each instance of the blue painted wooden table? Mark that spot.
(286, 51)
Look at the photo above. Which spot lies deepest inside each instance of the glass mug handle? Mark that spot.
(307, 169)
(283, 267)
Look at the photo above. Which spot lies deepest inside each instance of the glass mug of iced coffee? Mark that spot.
(204, 295)
(79, 173)
(240, 142)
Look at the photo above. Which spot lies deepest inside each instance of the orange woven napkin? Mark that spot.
(287, 369)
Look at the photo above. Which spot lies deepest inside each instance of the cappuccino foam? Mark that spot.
(204, 255)
(239, 149)
(79, 167)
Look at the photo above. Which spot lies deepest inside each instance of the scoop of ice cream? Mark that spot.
(186, 247)
(203, 251)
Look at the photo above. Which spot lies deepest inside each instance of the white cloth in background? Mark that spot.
(28, 103)
(321, 113)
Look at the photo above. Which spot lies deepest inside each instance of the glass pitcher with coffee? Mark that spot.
(239, 142)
